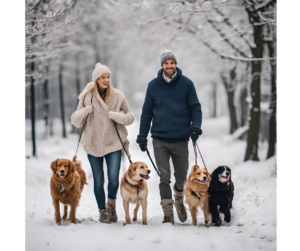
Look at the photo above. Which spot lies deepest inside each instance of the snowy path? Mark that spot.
(253, 225)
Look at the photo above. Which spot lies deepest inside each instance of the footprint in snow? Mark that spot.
(156, 241)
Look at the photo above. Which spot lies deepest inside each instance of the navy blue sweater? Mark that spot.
(172, 107)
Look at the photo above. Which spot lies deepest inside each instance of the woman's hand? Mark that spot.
(88, 109)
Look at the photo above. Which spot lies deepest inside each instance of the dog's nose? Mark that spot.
(62, 171)
(204, 178)
(227, 173)
(149, 171)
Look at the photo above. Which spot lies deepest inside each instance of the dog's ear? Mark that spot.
(195, 167)
(208, 175)
(214, 174)
(54, 166)
(133, 166)
(72, 166)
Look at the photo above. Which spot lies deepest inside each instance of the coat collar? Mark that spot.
(173, 81)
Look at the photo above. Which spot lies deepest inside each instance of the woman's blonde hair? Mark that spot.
(105, 96)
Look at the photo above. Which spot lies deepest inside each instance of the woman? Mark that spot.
(104, 104)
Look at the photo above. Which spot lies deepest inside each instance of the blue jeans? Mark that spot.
(113, 161)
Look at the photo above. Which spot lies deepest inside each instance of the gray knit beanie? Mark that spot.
(99, 70)
(167, 55)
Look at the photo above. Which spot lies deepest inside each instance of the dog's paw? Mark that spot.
(134, 218)
(145, 223)
(74, 221)
(218, 222)
(207, 224)
(58, 220)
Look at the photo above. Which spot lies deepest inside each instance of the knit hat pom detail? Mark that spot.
(99, 70)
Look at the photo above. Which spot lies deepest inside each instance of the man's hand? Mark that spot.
(143, 145)
(195, 134)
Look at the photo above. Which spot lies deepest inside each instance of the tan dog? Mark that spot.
(66, 185)
(195, 190)
(134, 190)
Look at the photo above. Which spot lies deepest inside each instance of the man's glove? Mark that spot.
(195, 134)
(143, 145)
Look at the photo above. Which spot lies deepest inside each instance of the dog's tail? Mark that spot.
(79, 168)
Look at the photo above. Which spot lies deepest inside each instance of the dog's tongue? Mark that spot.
(203, 181)
(226, 177)
(146, 177)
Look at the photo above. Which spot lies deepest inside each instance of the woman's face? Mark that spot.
(104, 81)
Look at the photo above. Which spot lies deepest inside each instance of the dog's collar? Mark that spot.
(63, 187)
(138, 186)
(196, 195)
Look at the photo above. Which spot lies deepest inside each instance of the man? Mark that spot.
(171, 103)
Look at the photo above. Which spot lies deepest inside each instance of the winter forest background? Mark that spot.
(226, 47)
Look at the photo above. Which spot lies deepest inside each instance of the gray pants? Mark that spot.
(179, 153)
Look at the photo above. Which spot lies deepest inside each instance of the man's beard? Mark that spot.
(168, 74)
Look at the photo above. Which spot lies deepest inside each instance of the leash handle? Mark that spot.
(83, 127)
(122, 142)
(152, 161)
(194, 146)
(200, 155)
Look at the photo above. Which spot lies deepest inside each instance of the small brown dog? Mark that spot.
(66, 185)
(195, 190)
(134, 190)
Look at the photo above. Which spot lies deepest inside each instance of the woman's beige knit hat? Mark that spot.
(99, 71)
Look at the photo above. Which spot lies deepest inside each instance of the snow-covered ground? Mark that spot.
(253, 225)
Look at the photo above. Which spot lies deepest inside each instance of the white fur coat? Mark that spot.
(99, 136)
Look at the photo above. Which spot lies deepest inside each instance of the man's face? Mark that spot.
(169, 67)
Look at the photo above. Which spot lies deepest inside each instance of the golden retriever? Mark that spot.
(196, 193)
(66, 185)
(134, 190)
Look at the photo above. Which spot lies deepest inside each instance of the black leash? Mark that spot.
(83, 127)
(198, 196)
(138, 187)
(122, 144)
(128, 156)
(152, 162)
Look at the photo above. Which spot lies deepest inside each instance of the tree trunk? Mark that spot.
(257, 52)
(61, 96)
(214, 94)
(273, 107)
(46, 100)
(233, 120)
(230, 86)
(75, 129)
(32, 99)
(244, 106)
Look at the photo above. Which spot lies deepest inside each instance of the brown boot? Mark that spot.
(180, 208)
(111, 207)
(167, 206)
(104, 217)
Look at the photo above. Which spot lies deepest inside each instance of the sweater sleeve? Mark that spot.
(146, 117)
(125, 117)
(195, 109)
(77, 118)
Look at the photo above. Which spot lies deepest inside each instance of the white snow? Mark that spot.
(253, 225)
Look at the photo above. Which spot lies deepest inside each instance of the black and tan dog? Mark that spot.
(221, 193)
(134, 190)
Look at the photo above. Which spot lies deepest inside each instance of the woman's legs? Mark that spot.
(98, 175)
(113, 161)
